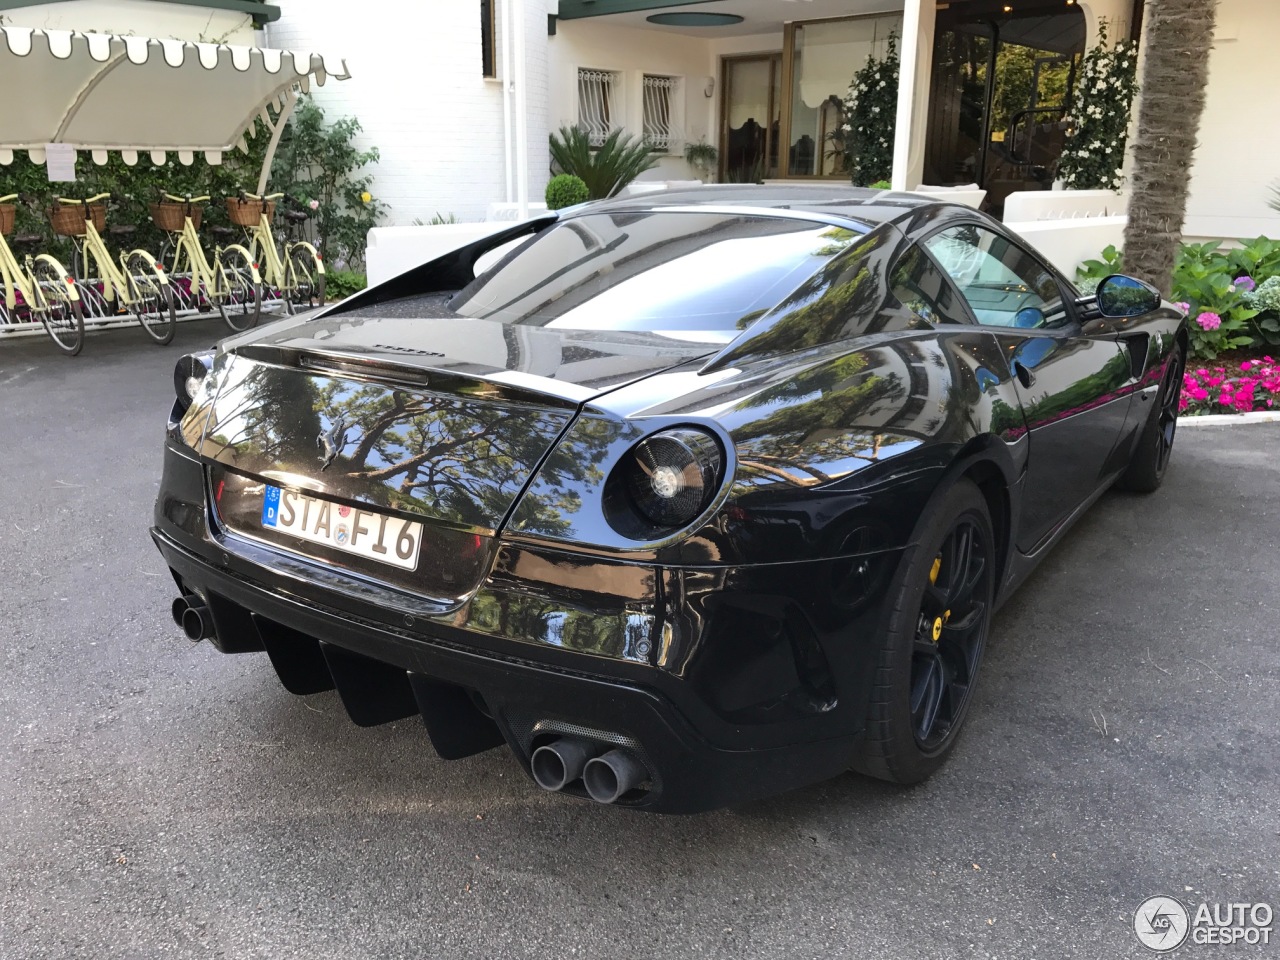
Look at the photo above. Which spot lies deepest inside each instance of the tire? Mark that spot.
(238, 298)
(306, 278)
(62, 316)
(940, 604)
(152, 300)
(1150, 458)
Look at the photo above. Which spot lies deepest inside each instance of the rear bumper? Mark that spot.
(379, 673)
(729, 684)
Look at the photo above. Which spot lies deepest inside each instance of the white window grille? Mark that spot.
(659, 111)
(597, 96)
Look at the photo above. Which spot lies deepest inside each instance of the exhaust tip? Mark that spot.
(557, 764)
(197, 624)
(612, 775)
(178, 609)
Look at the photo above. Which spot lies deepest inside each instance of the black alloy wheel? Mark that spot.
(1151, 456)
(940, 604)
(949, 634)
(1167, 419)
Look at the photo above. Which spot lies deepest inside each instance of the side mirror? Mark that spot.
(1120, 297)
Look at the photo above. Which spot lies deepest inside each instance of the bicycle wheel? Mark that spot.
(237, 297)
(306, 278)
(150, 298)
(183, 286)
(61, 315)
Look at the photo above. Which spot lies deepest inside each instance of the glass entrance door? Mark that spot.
(750, 118)
(1000, 96)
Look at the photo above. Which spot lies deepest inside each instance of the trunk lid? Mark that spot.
(442, 421)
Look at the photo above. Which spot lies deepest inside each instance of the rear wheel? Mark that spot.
(1151, 457)
(239, 299)
(151, 299)
(306, 281)
(60, 313)
(941, 601)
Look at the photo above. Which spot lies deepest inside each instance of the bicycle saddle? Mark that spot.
(21, 239)
(296, 216)
(121, 229)
(221, 231)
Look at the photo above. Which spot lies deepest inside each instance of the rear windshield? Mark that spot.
(683, 272)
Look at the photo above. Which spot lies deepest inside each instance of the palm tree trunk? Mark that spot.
(1179, 36)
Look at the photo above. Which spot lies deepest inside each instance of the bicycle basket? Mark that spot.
(247, 213)
(170, 216)
(7, 211)
(68, 218)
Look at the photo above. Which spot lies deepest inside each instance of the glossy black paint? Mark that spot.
(733, 655)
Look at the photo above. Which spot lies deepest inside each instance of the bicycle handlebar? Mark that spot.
(170, 196)
(94, 199)
(12, 196)
(254, 196)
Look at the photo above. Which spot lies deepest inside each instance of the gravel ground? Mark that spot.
(159, 799)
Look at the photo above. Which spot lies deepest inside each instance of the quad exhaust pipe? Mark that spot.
(193, 617)
(611, 775)
(607, 774)
(560, 762)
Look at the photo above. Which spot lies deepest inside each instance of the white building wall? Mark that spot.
(418, 91)
(632, 52)
(144, 18)
(1238, 159)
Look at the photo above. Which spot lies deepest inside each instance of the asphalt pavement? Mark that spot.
(158, 799)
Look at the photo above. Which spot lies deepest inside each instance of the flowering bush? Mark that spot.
(870, 112)
(1265, 297)
(1099, 121)
(1254, 386)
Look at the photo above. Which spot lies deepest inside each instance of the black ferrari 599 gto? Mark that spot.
(686, 499)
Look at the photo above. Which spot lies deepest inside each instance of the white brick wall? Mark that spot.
(417, 89)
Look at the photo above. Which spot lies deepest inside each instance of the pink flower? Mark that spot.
(1246, 366)
(1198, 393)
(1243, 402)
(1183, 306)
(1183, 403)
(314, 204)
(1212, 381)
(1209, 321)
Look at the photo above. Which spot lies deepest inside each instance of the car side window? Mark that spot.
(1004, 285)
(924, 290)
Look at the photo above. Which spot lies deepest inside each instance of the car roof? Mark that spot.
(833, 200)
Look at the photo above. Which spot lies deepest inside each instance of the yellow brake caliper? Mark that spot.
(941, 621)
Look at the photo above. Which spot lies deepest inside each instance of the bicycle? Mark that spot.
(39, 285)
(231, 284)
(139, 285)
(298, 277)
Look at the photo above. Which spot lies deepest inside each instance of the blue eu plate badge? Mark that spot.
(270, 506)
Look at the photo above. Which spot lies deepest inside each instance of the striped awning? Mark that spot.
(101, 93)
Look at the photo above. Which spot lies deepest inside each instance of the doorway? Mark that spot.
(751, 115)
(1001, 93)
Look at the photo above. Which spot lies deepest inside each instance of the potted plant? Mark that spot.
(702, 156)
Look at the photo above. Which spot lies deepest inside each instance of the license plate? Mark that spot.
(364, 533)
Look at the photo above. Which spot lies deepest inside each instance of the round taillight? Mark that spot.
(189, 375)
(672, 476)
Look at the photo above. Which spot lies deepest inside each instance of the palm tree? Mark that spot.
(1179, 36)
